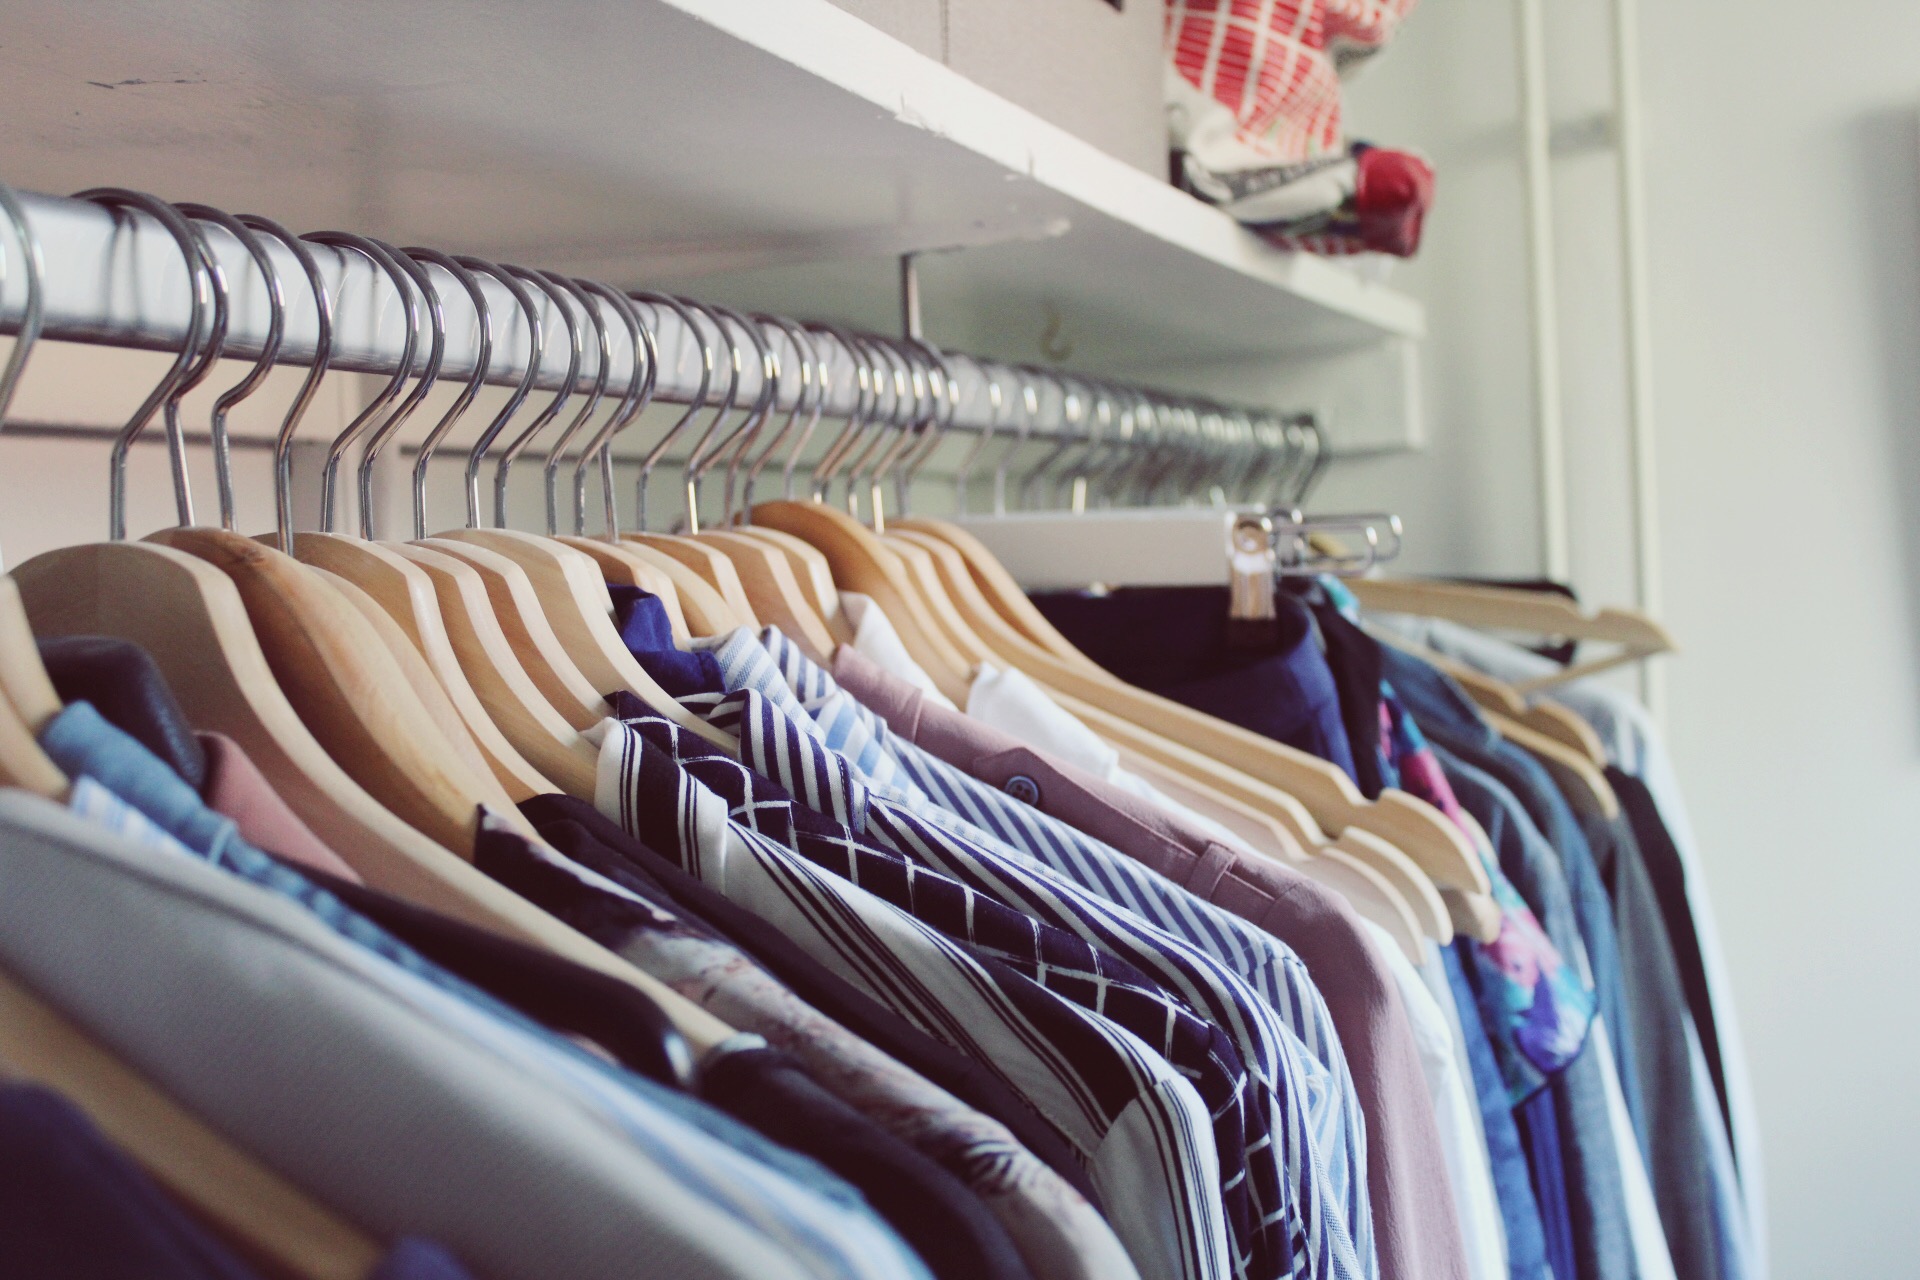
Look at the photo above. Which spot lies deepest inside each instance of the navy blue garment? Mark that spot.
(72, 1205)
(1589, 1160)
(645, 629)
(1179, 642)
(1512, 1183)
(1538, 1123)
(1449, 718)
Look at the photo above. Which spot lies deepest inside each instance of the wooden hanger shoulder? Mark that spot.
(427, 688)
(1565, 726)
(1415, 889)
(404, 591)
(225, 1186)
(511, 601)
(813, 573)
(1324, 791)
(774, 590)
(335, 669)
(23, 763)
(487, 658)
(573, 597)
(1508, 609)
(711, 564)
(618, 563)
(23, 677)
(999, 588)
(861, 562)
(925, 575)
(708, 613)
(190, 619)
(1255, 827)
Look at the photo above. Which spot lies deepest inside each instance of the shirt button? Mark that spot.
(1023, 789)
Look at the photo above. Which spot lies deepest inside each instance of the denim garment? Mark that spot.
(1539, 1127)
(1180, 643)
(81, 741)
(1590, 1162)
(815, 1214)
(1519, 1210)
(1451, 719)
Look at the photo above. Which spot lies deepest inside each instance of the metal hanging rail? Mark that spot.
(116, 277)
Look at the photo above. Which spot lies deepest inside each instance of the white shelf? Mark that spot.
(778, 151)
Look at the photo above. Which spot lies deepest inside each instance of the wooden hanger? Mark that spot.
(190, 618)
(541, 729)
(426, 686)
(812, 572)
(708, 613)
(710, 563)
(773, 589)
(1496, 696)
(924, 573)
(245, 1201)
(1138, 718)
(335, 669)
(621, 565)
(406, 593)
(515, 609)
(23, 763)
(861, 562)
(1530, 612)
(1420, 899)
(999, 588)
(566, 586)
(1411, 897)
(23, 677)
(1372, 897)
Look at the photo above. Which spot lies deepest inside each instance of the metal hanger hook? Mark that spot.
(482, 360)
(199, 303)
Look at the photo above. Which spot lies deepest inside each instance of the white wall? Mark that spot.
(1784, 211)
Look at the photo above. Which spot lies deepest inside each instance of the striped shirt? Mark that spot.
(1142, 1128)
(833, 834)
(1211, 938)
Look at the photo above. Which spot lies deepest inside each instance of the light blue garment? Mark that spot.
(814, 1215)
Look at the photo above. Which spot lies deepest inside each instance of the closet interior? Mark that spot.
(742, 677)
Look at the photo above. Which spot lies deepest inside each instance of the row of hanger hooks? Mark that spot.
(1114, 444)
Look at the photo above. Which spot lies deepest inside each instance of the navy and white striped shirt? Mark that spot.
(773, 665)
(1300, 1227)
(1146, 1135)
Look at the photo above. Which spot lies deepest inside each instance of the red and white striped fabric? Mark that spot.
(1256, 82)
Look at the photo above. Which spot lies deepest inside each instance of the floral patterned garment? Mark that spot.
(1535, 1004)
